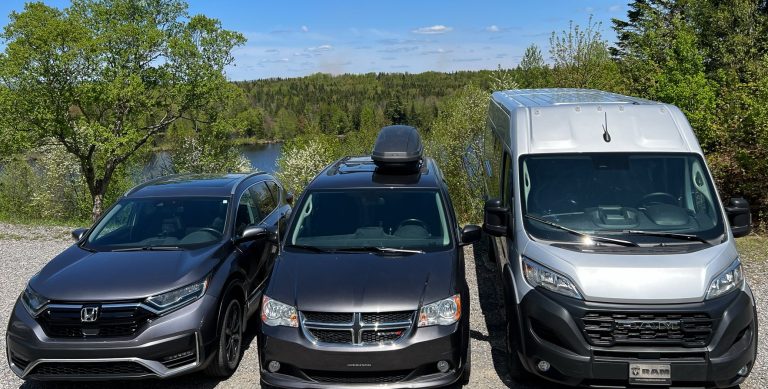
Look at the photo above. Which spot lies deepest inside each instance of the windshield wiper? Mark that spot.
(377, 249)
(149, 248)
(663, 234)
(594, 238)
(308, 248)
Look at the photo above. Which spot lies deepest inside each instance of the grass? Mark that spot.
(753, 248)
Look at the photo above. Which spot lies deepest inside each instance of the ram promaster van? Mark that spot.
(616, 257)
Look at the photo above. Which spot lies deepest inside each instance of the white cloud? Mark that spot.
(436, 29)
(493, 28)
(321, 48)
(614, 8)
(304, 29)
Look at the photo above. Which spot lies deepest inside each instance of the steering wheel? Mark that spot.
(212, 231)
(661, 198)
(412, 222)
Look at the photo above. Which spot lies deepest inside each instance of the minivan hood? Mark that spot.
(637, 278)
(361, 282)
(81, 275)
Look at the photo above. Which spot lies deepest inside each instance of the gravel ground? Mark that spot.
(24, 250)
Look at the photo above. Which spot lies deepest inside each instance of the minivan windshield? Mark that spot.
(160, 224)
(371, 220)
(636, 197)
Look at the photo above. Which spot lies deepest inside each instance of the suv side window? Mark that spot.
(276, 193)
(247, 212)
(263, 198)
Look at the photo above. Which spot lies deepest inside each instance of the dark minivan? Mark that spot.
(369, 289)
(161, 285)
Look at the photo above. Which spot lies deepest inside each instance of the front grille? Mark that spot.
(64, 321)
(64, 369)
(642, 328)
(384, 377)
(365, 328)
(332, 336)
(328, 317)
(387, 317)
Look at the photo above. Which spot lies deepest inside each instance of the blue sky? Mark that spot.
(297, 38)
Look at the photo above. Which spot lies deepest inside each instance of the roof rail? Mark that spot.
(152, 181)
(243, 178)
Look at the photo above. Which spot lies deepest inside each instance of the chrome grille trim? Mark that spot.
(357, 327)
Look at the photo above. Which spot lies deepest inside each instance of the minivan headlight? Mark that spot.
(539, 275)
(443, 312)
(727, 281)
(177, 298)
(34, 302)
(275, 313)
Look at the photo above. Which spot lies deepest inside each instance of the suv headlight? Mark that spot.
(443, 312)
(275, 313)
(727, 281)
(34, 302)
(177, 298)
(539, 275)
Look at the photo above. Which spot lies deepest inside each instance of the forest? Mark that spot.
(708, 57)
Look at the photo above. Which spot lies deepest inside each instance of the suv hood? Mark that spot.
(80, 275)
(638, 278)
(362, 282)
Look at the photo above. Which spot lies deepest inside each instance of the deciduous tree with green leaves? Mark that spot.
(103, 78)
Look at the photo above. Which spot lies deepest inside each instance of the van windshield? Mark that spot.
(371, 218)
(637, 197)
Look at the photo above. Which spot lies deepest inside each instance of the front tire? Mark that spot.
(229, 348)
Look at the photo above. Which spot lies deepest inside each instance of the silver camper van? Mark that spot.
(615, 252)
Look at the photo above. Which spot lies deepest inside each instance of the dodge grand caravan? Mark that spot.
(161, 285)
(369, 289)
(615, 255)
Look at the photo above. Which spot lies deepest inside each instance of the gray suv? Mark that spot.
(161, 285)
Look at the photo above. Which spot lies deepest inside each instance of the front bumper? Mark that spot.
(409, 363)
(553, 330)
(168, 346)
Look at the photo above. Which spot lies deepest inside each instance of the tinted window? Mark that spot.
(264, 199)
(611, 193)
(274, 189)
(170, 222)
(247, 212)
(408, 219)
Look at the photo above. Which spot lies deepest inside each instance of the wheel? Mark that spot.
(467, 368)
(229, 350)
(516, 369)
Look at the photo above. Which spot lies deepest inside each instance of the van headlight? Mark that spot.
(34, 302)
(729, 280)
(275, 313)
(443, 312)
(177, 298)
(539, 275)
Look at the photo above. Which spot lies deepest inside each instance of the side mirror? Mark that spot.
(78, 233)
(289, 198)
(470, 234)
(495, 218)
(739, 217)
(252, 233)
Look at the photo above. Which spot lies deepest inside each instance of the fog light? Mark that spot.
(443, 366)
(273, 366)
(743, 371)
(543, 366)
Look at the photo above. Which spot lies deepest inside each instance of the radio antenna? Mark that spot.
(606, 134)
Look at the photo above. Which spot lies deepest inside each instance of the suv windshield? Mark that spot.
(160, 223)
(371, 218)
(642, 198)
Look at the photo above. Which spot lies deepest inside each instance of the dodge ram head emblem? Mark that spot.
(89, 314)
(655, 325)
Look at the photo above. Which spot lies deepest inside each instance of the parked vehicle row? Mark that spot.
(616, 260)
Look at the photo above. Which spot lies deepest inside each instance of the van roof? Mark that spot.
(564, 96)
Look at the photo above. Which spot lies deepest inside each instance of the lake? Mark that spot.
(263, 157)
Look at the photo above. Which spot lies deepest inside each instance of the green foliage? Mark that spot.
(303, 158)
(533, 71)
(102, 78)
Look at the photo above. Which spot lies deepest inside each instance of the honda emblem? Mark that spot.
(89, 314)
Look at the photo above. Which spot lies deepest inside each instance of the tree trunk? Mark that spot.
(98, 206)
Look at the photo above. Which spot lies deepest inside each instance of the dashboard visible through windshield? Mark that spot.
(371, 218)
(637, 197)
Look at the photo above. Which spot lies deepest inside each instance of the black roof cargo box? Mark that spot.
(398, 147)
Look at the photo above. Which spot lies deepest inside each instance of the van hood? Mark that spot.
(80, 275)
(637, 278)
(361, 282)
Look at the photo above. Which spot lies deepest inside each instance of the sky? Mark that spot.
(297, 38)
